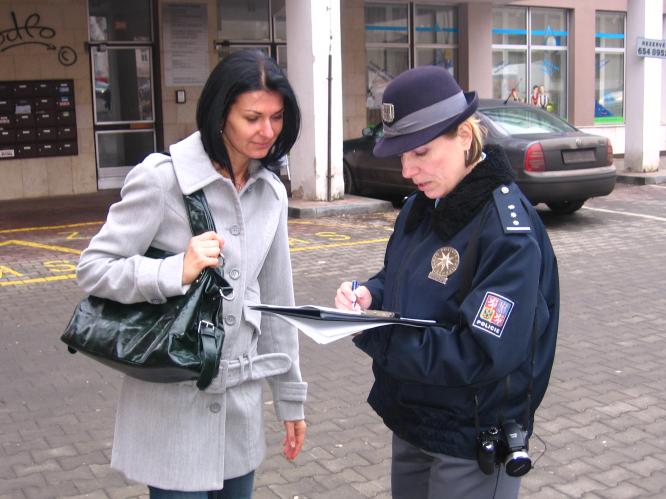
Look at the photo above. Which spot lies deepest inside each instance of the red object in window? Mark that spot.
(534, 160)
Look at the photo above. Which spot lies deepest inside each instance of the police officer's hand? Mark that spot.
(345, 297)
(203, 251)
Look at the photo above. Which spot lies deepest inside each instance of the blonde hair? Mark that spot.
(476, 147)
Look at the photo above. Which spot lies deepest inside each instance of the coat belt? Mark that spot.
(233, 372)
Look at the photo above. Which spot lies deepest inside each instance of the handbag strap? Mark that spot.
(198, 212)
(201, 220)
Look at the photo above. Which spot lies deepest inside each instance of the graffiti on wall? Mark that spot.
(31, 32)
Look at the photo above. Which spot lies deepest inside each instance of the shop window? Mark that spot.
(530, 56)
(400, 36)
(609, 67)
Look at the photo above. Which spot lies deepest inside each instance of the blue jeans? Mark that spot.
(235, 488)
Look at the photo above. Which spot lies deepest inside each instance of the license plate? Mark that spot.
(578, 156)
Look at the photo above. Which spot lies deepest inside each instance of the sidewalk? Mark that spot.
(59, 210)
(628, 177)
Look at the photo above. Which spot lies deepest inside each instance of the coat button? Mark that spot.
(234, 274)
(504, 189)
(514, 214)
(229, 320)
(516, 222)
(511, 207)
(215, 407)
(235, 230)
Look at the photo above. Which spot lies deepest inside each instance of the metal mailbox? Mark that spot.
(37, 118)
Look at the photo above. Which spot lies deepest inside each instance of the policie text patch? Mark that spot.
(493, 314)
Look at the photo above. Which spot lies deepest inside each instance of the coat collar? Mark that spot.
(457, 208)
(194, 169)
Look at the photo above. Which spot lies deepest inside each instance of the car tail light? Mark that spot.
(534, 160)
(609, 153)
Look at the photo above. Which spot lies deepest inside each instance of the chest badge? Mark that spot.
(444, 262)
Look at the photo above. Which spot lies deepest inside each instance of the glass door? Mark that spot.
(121, 55)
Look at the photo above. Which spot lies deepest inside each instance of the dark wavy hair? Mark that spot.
(240, 72)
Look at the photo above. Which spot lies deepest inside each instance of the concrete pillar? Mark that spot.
(354, 68)
(663, 73)
(643, 88)
(310, 25)
(582, 77)
(475, 48)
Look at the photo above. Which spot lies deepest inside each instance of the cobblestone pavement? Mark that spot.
(600, 430)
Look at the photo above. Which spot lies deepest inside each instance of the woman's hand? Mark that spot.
(203, 251)
(293, 439)
(346, 299)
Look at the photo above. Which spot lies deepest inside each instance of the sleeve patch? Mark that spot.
(493, 314)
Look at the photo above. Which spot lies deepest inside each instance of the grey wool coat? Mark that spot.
(174, 436)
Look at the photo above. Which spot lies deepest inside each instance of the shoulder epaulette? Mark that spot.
(512, 213)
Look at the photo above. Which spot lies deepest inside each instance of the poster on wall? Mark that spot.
(185, 44)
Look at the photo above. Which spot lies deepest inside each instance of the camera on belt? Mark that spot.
(504, 444)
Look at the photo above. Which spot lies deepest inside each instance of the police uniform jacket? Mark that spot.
(173, 435)
(432, 383)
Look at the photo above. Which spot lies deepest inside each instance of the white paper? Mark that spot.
(327, 330)
(185, 29)
(324, 332)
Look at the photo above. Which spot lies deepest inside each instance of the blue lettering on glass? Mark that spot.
(549, 68)
(609, 35)
(373, 27)
(501, 31)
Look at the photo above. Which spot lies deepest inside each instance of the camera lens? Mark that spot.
(518, 463)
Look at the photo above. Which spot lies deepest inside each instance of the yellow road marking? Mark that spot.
(39, 279)
(77, 252)
(337, 224)
(49, 227)
(339, 245)
(31, 244)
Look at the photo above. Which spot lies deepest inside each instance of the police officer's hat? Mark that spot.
(420, 105)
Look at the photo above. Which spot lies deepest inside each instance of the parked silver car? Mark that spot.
(554, 162)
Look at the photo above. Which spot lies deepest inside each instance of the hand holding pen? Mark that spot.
(352, 296)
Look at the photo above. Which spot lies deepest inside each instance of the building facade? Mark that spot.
(89, 87)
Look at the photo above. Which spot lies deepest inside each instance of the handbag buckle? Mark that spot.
(206, 328)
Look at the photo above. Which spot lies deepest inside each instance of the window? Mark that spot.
(400, 36)
(260, 24)
(530, 56)
(609, 67)
(119, 21)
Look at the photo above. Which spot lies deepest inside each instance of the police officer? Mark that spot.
(469, 252)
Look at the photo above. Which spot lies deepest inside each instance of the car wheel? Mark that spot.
(565, 207)
(347, 178)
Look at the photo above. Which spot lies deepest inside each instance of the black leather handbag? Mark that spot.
(178, 340)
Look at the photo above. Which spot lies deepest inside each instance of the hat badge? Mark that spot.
(388, 112)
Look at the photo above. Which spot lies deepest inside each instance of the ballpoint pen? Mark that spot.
(354, 287)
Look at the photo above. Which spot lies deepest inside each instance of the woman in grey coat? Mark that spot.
(180, 441)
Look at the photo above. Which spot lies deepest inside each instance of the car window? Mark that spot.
(524, 120)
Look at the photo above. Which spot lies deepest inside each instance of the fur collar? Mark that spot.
(456, 209)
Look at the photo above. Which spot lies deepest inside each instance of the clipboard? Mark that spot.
(324, 324)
